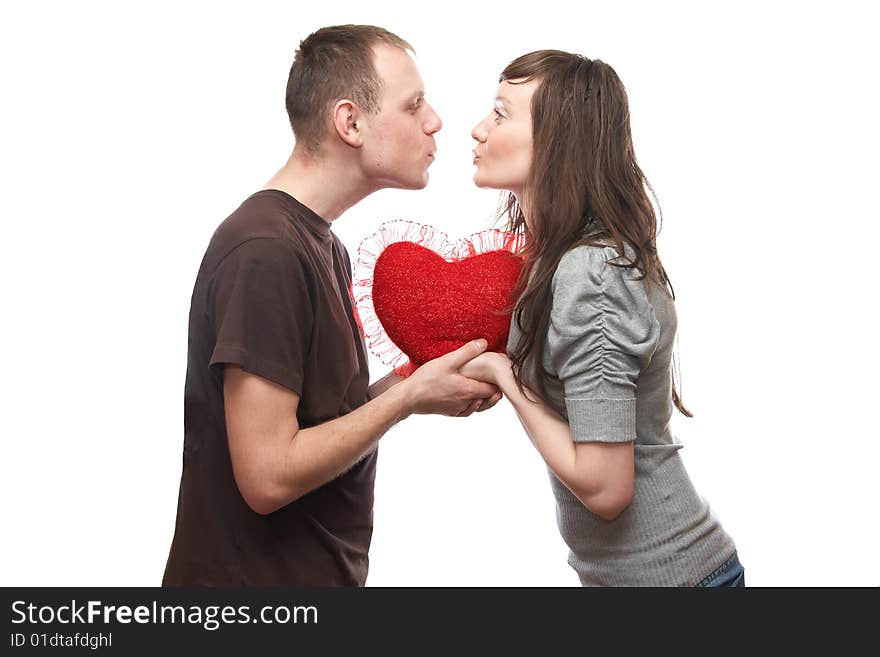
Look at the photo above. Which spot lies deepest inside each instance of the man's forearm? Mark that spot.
(316, 455)
(275, 462)
(384, 384)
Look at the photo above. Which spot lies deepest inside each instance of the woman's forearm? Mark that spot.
(551, 436)
(598, 474)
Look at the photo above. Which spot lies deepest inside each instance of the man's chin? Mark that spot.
(414, 184)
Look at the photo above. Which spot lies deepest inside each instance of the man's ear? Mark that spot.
(345, 122)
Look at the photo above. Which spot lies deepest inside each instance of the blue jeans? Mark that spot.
(730, 573)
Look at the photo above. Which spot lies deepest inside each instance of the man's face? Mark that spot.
(398, 142)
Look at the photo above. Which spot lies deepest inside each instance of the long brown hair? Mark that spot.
(584, 187)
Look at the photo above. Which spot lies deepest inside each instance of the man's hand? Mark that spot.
(439, 387)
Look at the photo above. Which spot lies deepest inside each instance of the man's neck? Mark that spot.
(324, 186)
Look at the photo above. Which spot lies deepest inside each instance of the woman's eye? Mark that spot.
(498, 115)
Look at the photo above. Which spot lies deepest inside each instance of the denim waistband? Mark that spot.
(731, 562)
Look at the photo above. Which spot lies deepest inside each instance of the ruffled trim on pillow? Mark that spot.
(429, 237)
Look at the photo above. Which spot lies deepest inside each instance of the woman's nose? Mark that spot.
(479, 131)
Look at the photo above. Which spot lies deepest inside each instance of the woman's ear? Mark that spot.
(345, 123)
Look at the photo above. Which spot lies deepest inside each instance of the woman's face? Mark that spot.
(503, 153)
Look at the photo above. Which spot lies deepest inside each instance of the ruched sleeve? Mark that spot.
(602, 334)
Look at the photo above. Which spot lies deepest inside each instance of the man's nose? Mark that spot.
(434, 123)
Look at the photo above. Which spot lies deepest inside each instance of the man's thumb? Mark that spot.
(468, 352)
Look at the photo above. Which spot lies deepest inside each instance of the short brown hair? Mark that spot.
(334, 62)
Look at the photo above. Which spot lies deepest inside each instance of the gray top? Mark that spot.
(608, 358)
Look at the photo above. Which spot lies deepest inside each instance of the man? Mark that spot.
(281, 430)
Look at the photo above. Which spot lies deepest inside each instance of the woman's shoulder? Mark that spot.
(600, 270)
(590, 262)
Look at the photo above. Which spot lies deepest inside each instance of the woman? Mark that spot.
(590, 350)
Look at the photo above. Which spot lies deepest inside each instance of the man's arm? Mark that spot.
(384, 384)
(275, 462)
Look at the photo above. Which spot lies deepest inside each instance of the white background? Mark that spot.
(130, 130)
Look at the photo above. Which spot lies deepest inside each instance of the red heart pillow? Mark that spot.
(418, 296)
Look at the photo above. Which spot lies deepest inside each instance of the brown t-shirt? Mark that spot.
(272, 295)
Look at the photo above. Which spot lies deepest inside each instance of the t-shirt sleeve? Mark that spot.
(259, 305)
(602, 334)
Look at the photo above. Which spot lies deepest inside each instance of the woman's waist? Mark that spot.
(666, 514)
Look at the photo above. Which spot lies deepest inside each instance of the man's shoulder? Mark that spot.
(261, 215)
(262, 218)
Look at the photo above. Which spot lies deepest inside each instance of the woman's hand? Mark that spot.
(490, 367)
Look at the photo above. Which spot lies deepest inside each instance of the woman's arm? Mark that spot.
(600, 475)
